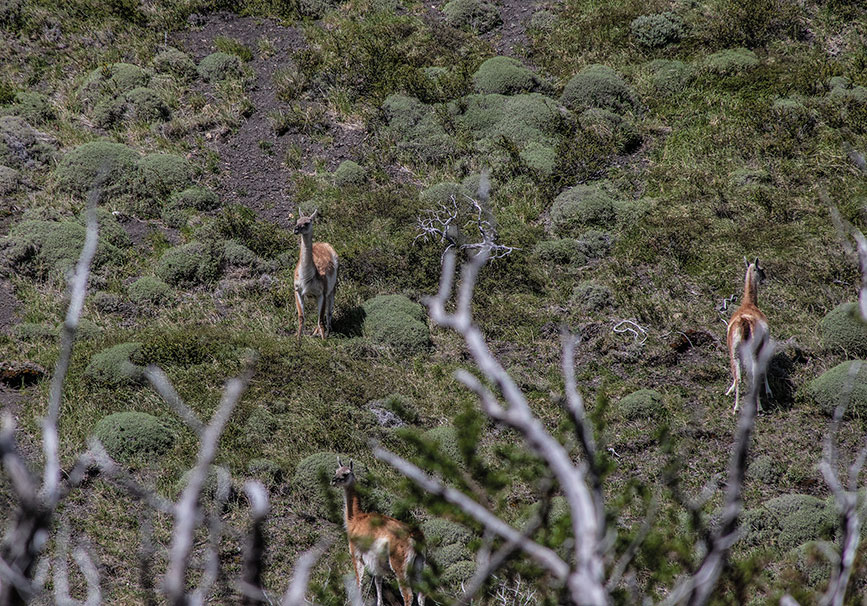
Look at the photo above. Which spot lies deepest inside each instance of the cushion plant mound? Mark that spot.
(219, 66)
(561, 251)
(654, 31)
(397, 322)
(310, 484)
(22, 146)
(731, 61)
(133, 436)
(811, 560)
(175, 62)
(112, 80)
(539, 157)
(394, 410)
(439, 532)
(599, 86)
(592, 296)
(480, 15)
(458, 573)
(160, 175)
(846, 382)
(641, 404)
(198, 198)
(78, 169)
(149, 290)
(193, 263)
(764, 469)
(112, 367)
(445, 438)
(265, 470)
(450, 554)
(669, 75)
(504, 75)
(580, 206)
(239, 255)
(144, 105)
(395, 304)
(844, 329)
(33, 107)
(444, 193)
(316, 8)
(349, 173)
(110, 228)
(611, 128)
(789, 520)
(417, 128)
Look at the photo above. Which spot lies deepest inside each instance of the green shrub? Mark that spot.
(731, 61)
(445, 437)
(110, 228)
(504, 75)
(149, 290)
(451, 554)
(175, 62)
(109, 112)
(133, 436)
(349, 173)
(560, 251)
(789, 520)
(36, 108)
(843, 329)
(112, 367)
(811, 561)
(829, 388)
(592, 296)
(111, 81)
(239, 255)
(657, 30)
(198, 198)
(396, 321)
(266, 470)
(160, 175)
(611, 128)
(193, 263)
(395, 304)
(233, 46)
(764, 469)
(417, 129)
(219, 66)
(599, 86)
(36, 247)
(264, 238)
(641, 404)
(79, 168)
(539, 157)
(144, 105)
(439, 532)
(670, 75)
(310, 484)
(443, 193)
(480, 15)
(457, 573)
(32, 331)
(580, 206)
(22, 146)
(10, 180)
(316, 8)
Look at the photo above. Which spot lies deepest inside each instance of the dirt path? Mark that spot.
(513, 33)
(253, 172)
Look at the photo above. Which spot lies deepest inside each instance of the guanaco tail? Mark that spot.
(378, 543)
(315, 275)
(746, 323)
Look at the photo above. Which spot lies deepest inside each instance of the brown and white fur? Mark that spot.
(379, 543)
(747, 322)
(315, 275)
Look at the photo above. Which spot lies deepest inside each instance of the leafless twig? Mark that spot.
(296, 593)
(628, 326)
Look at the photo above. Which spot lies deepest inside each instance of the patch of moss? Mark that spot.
(731, 61)
(592, 296)
(78, 169)
(144, 105)
(198, 198)
(193, 263)
(112, 367)
(504, 75)
(397, 322)
(641, 404)
(479, 15)
(219, 66)
(175, 62)
(133, 436)
(580, 206)
(445, 437)
(349, 173)
(658, 30)
(160, 175)
(22, 146)
(149, 290)
(843, 329)
(670, 75)
(36, 108)
(37, 247)
(599, 86)
(111, 81)
(847, 380)
(789, 520)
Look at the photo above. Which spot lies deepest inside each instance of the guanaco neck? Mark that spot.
(751, 287)
(351, 504)
(306, 268)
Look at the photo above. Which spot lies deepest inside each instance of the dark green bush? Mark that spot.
(265, 470)
(310, 484)
(611, 128)
(133, 436)
(396, 321)
(112, 367)
(480, 15)
(349, 173)
(843, 329)
(560, 251)
(445, 438)
(219, 66)
(592, 296)
(457, 573)
(37, 247)
(175, 62)
(657, 30)
(78, 169)
(670, 75)
(811, 561)
(193, 263)
(417, 129)
(765, 470)
(36, 108)
(443, 193)
(111, 81)
(641, 404)
(599, 86)
(160, 175)
(144, 105)
(110, 228)
(731, 61)
(149, 290)
(10, 180)
(198, 198)
(239, 255)
(839, 383)
(22, 146)
(504, 75)
(789, 520)
(581, 206)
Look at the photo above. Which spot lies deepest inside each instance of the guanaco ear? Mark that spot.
(746, 263)
(339, 464)
(756, 262)
(350, 465)
(315, 213)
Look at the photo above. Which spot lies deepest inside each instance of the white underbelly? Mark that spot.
(376, 558)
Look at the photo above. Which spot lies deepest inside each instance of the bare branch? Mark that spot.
(91, 575)
(628, 555)
(296, 593)
(99, 457)
(254, 551)
(160, 382)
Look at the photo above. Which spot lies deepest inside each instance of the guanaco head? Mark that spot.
(304, 224)
(343, 475)
(757, 271)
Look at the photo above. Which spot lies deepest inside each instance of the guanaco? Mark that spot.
(747, 322)
(315, 275)
(379, 543)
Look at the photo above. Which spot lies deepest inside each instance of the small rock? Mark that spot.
(385, 417)
(20, 374)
